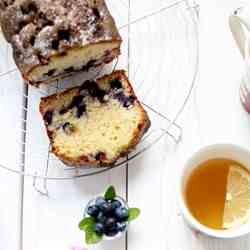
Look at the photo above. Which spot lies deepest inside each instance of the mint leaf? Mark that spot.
(91, 237)
(110, 193)
(133, 213)
(86, 223)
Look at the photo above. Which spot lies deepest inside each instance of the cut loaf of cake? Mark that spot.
(94, 124)
(53, 38)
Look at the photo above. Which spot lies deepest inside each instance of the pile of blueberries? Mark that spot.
(111, 216)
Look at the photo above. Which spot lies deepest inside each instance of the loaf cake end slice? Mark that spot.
(54, 38)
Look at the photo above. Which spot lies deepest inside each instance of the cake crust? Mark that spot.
(141, 127)
(40, 30)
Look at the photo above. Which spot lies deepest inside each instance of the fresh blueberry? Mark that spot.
(115, 204)
(93, 210)
(99, 201)
(99, 228)
(111, 231)
(110, 223)
(121, 213)
(121, 226)
(106, 207)
(101, 217)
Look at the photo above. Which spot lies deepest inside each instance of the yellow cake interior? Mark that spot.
(105, 128)
(76, 58)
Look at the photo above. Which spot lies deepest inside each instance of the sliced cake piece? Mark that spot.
(53, 38)
(96, 123)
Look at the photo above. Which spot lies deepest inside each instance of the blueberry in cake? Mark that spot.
(53, 38)
(96, 123)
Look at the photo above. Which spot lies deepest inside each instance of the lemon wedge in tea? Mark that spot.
(237, 200)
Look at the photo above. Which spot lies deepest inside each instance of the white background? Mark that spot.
(213, 114)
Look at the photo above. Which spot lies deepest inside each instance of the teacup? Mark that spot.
(226, 151)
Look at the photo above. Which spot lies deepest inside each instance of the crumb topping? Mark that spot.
(39, 29)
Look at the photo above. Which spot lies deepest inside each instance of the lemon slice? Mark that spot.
(237, 202)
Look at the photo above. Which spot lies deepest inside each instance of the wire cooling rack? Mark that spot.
(162, 65)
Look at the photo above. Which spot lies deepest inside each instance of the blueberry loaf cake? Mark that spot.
(96, 123)
(53, 38)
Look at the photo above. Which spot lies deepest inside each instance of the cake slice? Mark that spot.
(53, 38)
(96, 123)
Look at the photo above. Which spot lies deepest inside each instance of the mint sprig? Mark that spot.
(86, 223)
(91, 237)
(110, 193)
(133, 213)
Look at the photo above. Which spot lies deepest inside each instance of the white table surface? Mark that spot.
(213, 114)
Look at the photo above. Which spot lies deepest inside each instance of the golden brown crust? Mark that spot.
(41, 29)
(82, 160)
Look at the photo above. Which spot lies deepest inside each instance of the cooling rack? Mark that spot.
(161, 63)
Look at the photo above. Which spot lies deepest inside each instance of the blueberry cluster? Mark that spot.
(91, 88)
(110, 216)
